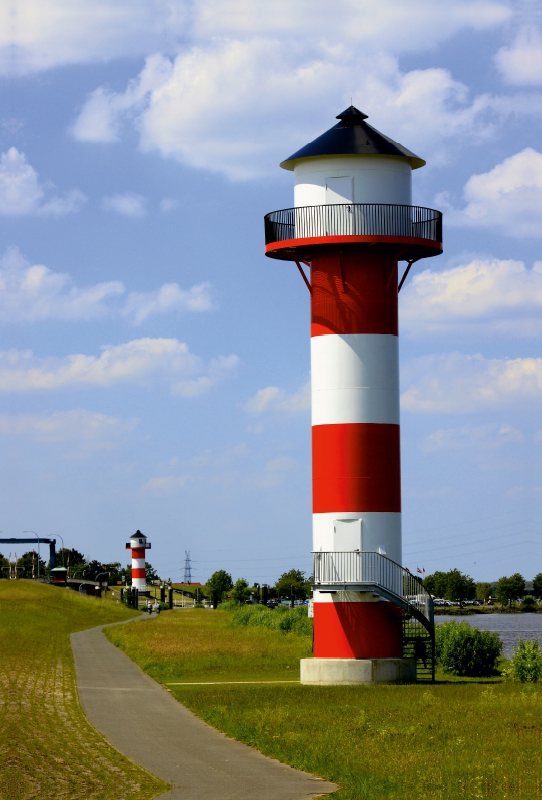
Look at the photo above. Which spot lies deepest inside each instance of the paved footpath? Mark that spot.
(124, 704)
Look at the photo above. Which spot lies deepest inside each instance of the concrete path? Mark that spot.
(124, 704)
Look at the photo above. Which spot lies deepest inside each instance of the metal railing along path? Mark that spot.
(353, 219)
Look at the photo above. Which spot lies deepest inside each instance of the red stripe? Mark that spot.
(356, 467)
(357, 630)
(138, 552)
(355, 292)
(432, 247)
(138, 572)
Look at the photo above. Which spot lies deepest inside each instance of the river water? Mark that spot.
(510, 627)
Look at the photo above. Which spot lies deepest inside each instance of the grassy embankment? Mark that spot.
(455, 740)
(47, 747)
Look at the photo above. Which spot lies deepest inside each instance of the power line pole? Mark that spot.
(187, 568)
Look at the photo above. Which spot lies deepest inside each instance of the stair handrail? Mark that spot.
(346, 570)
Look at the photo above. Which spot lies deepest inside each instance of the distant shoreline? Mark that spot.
(454, 611)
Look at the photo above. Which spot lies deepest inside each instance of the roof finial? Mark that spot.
(352, 115)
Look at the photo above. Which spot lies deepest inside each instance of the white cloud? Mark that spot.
(143, 362)
(454, 383)
(521, 62)
(217, 369)
(487, 437)
(250, 105)
(128, 204)
(382, 25)
(104, 111)
(166, 484)
(21, 192)
(274, 472)
(50, 33)
(168, 204)
(508, 198)
(169, 297)
(244, 92)
(272, 399)
(65, 426)
(40, 34)
(484, 296)
(31, 293)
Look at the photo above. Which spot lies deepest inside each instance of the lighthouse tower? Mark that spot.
(352, 222)
(138, 544)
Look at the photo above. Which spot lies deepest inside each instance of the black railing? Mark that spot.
(419, 644)
(353, 219)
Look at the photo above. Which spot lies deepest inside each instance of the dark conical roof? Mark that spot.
(352, 136)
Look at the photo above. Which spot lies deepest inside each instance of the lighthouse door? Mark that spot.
(347, 548)
(346, 535)
(339, 191)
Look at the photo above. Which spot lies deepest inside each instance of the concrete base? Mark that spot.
(352, 671)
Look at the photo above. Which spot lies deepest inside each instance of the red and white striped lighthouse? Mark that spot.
(353, 220)
(138, 544)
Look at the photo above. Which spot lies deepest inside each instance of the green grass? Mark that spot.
(47, 747)
(456, 740)
(202, 645)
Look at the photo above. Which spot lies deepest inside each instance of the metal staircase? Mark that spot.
(364, 571)
(419, 643)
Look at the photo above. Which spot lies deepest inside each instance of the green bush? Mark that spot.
(465, 651)
(128, 598)
(526, 664)
(229, 605)
(529, 604)
(281, 618)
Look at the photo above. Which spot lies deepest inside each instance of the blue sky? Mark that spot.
(154, 365)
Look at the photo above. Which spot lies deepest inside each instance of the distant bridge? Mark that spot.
(39, 540)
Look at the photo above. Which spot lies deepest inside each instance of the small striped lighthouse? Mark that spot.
(138, 544)
(351, 224)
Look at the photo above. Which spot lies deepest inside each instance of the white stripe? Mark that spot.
(355, 379)
(379, 529)
(345, 597)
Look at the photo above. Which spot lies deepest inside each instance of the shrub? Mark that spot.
(128, 598)
(465, 651)
(282, 618)
(228, 605)
(529, 604)
(526, 664)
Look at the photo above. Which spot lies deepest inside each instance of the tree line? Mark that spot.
(458, 587)
(220, 587)
(79, 566)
